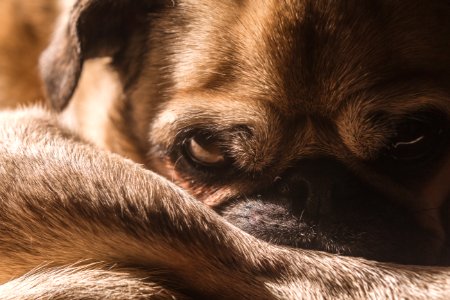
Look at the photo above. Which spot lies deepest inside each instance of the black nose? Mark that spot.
(317, 187)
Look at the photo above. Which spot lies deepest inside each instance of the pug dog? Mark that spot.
(308, 124)
(77, 222)
(312, 124)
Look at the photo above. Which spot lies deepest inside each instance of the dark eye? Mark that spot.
(418, 138)
(204, 151)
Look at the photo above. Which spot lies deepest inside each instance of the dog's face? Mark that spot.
(313, 124)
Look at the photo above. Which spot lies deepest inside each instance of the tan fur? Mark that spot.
(98, 90)
(150, 236)
(284, 84)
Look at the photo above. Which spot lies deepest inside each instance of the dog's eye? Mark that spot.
(417, 138)
(204, 151)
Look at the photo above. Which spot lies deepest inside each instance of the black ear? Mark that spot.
(96, 28)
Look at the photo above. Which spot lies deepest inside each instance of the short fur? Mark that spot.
(327, 84)
(153, 239)
(304, 98)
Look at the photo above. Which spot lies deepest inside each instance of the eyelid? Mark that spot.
(410, 142)
(212, 155)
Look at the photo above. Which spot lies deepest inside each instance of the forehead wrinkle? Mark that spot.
(263, 44)
(278, 55)
(393, 102)
(355, 55)
(310, 140)
(270, 48)
(260, 40)
(190, 110)
(207, 28)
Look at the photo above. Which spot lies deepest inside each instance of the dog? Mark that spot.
(77, 222)
(316, 125)
(309, 124)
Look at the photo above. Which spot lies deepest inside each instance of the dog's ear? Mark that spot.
(96, 28)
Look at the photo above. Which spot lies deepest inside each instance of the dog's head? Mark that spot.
(313, 124)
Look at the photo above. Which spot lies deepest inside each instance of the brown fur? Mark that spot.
(325, 84)
(153, 239)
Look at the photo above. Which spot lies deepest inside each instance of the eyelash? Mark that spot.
(182, 161)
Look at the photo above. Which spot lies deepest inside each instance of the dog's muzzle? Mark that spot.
(322, 205)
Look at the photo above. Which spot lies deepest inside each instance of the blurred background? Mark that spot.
(25, 30)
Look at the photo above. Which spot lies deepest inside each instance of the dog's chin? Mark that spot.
(381, 236)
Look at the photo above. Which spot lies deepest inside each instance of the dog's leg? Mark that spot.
(84, 282)
(62, 201)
